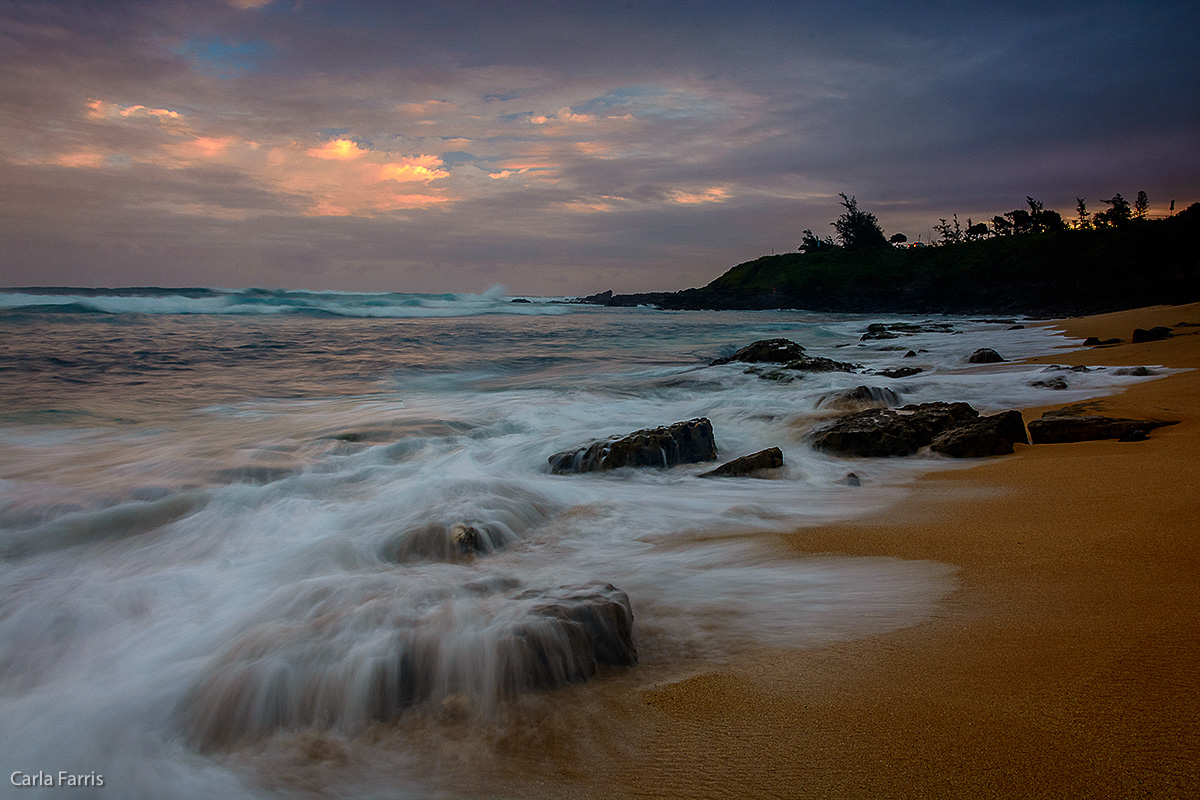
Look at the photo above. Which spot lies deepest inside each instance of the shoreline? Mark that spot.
(1065, 664)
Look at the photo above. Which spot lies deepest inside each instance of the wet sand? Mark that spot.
(1066, 663)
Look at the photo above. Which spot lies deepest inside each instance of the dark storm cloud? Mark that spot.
(557, 146)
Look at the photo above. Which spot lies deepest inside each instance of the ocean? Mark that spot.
(223, 517)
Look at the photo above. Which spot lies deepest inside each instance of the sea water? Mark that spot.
(216, 509)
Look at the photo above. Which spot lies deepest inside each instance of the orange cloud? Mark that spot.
(338, 150)
(413, 168)
(82, 158)
(100, 109)
(716, 194)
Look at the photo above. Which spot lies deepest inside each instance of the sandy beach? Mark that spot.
(1066, 663)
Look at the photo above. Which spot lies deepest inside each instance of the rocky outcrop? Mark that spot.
(1096, 341)
(985, 355)
(1060, 428)
(1155, 334)
(682, 443)
(889, 432)
(771, 458)
(764, 351)
(992, 435)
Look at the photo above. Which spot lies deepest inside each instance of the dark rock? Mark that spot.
(992, 435)
(820, 364)
(1140, 372)
(876, 335)
(771, 458)
(681, 443)
(1139, 435)
(852, 480)
(985, 355)
(1093, 341)
(911, 354)
(519, 300)
(605, 619)
(861, 396)
(888, 432)
(769, 351)
(901, 372)
(1059, 428)
(777, 375)
(1017, 328)
(1053, 383)
(1153, 335)
(347, 658)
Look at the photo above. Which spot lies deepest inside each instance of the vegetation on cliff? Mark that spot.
(1048, 269)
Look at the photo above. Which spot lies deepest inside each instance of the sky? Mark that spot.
(558, 148)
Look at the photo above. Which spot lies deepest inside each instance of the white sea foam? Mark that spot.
(163, 573)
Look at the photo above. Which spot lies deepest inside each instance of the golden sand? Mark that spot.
(1066, 664)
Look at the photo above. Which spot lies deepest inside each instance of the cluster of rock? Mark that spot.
(879, 430)
(954, 429)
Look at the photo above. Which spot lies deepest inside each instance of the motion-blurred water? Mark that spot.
(216, 508)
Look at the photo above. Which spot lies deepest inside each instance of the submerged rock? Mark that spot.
(1095, 341)
(901, 372)
(1059, 428)
(682, 443)
(985, 355)
(861, 396)
(764, 351)
(345, 657)
(771, 458)
(992, 435)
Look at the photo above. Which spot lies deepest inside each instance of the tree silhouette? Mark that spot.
(1141, 205)
(1117, 214)
(857, 229)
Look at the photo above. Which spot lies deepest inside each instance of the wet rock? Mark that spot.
(992, 435)
(768, 351)
(1153, 335)
(911, 354)
(1017, 328)
(1140, 372)
(852, 479)
(1053, 383)
(860, 397)
(777, 375)
(519, 300)
(901, 372)
(771, 458)
(985, 355)
(1058, 428)
(681, 443)
(345, 656)
(1094, 341)
(820, 364)
(889, 432)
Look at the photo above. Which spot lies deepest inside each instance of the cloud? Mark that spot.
(658, 145)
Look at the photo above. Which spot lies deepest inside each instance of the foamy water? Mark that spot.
(216, 525)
